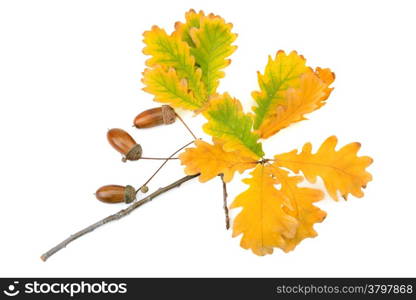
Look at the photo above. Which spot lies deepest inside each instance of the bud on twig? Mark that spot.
(124, 143)
(144, 189)
(155, 117)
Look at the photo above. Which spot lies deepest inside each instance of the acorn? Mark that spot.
(155, 117)
(116, 194)
(125, 144)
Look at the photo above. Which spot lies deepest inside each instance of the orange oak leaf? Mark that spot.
(211, 160)
(308, 97)
(340, 170)
(263, 221)
(327, 76)
(302, 201)
(281, 73)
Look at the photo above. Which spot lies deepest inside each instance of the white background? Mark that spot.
(69, 70)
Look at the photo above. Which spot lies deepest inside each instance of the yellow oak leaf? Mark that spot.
(228, 122)
(169, 51)
(210, 39)
(211, 160)
(168, 88)
(309, 96)
(280, 74)
(340, 170)
(302, 208)
(263, 221)
(192, 20)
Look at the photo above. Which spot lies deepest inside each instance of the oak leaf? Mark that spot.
(309, 96)
(340, 170)
(302, 206)
(210, 39)
(327, 76)
(192, 20)
(168, 88)
(213, 44)
(280, 74)
(228, 122)
(263, 221)
(211, 160)
(170, 52)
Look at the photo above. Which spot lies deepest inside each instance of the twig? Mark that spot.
(122, 213)
(159, 158)
(225, 195)
(161, 166)
(183, 122)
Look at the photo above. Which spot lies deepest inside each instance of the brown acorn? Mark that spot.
(155, 117)
(125, 144)
(116, 194)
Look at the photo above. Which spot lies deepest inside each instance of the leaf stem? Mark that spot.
(122, 213)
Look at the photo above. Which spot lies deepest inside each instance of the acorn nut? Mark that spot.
(125, 144)
(116, 194)
(155, 117)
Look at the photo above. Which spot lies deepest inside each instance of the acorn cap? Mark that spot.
(134, 153)
(129, 194)
(168, 114)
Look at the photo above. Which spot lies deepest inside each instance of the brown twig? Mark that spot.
(187, 127)
(122, 213)
(161, 166)
(225, 195)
